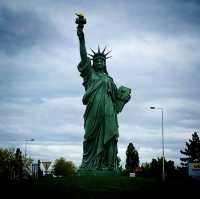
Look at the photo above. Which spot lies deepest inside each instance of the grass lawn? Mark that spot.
(101, 187)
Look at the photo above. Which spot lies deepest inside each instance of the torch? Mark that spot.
(80, 20)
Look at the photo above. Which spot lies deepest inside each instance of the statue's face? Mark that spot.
(99, 63)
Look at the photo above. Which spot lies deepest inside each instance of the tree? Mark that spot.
(7, 157)
(63, 168)
(132, 158)
(13, 165)
(119, 166)
(191, 151)
(40, 173)
(18, 164)
(154, 168)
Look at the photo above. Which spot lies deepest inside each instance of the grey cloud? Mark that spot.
(20, 30)
(155, 52)
(50, 119)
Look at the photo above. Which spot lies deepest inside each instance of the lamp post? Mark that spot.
(26, 141)
(163, 152)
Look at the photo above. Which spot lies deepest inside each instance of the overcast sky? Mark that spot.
(155, 52)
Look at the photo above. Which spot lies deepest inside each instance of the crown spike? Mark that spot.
(98, 49)
(108, 52)
(90, 55)
(92, 51)
(104, 50)
(108, 57)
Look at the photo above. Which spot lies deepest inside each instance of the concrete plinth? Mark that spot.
(98, 172)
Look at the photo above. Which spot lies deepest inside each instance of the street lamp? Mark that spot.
(163, 153)
(26, 141)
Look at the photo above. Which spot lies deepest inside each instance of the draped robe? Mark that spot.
(100, 119)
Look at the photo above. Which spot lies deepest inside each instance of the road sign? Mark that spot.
(46, 165)
(194, 169)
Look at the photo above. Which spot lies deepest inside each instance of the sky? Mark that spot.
(155, 52)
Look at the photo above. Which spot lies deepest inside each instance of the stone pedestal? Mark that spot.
(98, 172)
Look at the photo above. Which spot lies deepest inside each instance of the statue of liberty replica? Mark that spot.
(103, 101)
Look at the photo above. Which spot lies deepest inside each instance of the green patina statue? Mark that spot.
(103, 102)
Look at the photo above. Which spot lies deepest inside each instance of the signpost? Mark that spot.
(46, 165)
(194, 170)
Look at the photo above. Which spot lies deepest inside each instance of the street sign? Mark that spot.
(46, 165)
(194, 169)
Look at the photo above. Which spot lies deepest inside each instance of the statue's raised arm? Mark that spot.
(80, 20)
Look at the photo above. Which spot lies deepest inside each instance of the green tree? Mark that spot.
(27, 166)
(63, 168)
(154, 168)
(191, 151)
(13, 165)
(7, 157)
(119, 166)
(132, 158)
(18, 164)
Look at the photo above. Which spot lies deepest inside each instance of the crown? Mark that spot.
(99, 54)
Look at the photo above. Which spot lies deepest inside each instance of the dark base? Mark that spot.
(97, 172)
